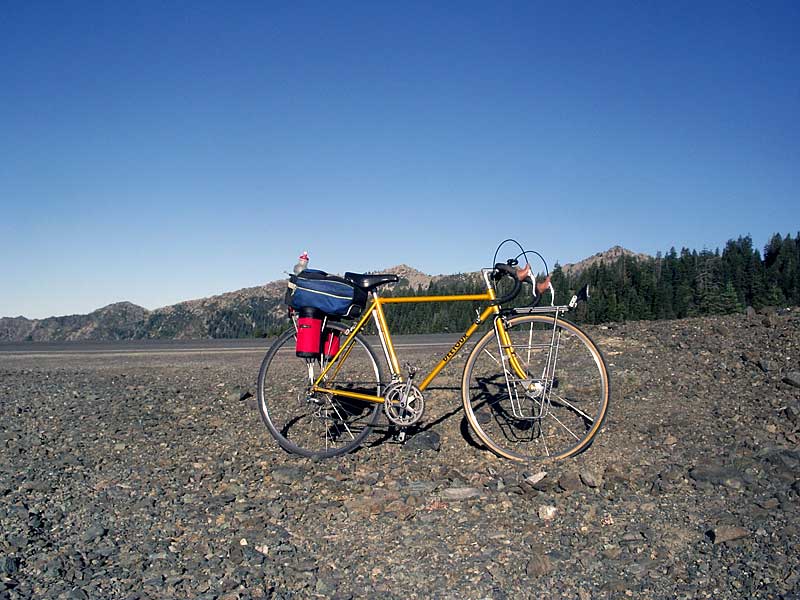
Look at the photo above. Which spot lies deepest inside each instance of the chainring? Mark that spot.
(401, 408)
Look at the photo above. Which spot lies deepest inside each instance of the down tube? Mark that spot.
(488, 311)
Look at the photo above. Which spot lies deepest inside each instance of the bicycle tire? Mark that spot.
(318, 425)
(553, 426)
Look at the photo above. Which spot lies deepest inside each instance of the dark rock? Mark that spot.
(9, 565)
(767, 365)
(632, 538)
(726, 533)
(325, 587)
(718, 475)
(236, 553)
(592, 478)
(614, 586)
(570, 481)
(94, 532)
(55, 568)
(538, 565)
(792, 413)
(35, 520)
(541, 484)
(155, 581)
(420, 487)
(792, 379)
(424, 440)
(287, 475)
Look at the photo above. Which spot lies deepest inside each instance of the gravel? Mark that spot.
(150, 475)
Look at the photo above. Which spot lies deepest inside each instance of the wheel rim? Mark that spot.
(549, 413)
(319, 425)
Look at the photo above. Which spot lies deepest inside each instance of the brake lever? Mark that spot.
(524, 275)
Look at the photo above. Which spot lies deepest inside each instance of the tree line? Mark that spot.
(690, 283)
(669, 286)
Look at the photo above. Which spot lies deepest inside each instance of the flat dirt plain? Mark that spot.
(144, 471)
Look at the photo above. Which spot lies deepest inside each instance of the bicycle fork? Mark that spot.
(529, 395)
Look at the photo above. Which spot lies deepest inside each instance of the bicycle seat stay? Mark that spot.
(368, 281)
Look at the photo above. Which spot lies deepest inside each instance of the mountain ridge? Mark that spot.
(246, 311)
(610, 255)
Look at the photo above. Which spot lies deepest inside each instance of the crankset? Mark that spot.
(403, 403)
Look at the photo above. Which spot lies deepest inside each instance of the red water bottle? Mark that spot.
(330, 345)
(309, 332)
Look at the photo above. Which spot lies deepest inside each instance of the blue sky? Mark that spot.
(157, 152)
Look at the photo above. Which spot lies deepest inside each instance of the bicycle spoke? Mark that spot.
(557, 420)
(573, 407)
(489, 354)
(316, 424)
(327, 430)
(544, 443)
(338, 414)
(530, 342)
(554, 423)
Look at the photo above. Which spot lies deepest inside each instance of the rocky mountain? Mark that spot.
(609, 256)
(410, 277)
(117, 321)
(233, 314)
(243, 313)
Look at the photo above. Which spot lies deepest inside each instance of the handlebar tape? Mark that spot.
(504, 269)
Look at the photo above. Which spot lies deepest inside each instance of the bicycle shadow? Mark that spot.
(486, 403)
(388, 432)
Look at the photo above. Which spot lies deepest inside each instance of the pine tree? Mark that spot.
(729, 300)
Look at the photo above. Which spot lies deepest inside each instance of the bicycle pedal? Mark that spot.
(401, 436)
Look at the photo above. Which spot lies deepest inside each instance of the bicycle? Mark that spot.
(534, 387)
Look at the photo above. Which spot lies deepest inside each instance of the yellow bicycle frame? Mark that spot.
(375, 311)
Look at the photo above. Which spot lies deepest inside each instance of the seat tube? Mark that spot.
(385, 337)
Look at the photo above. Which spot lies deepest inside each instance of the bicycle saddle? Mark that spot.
(368, 282)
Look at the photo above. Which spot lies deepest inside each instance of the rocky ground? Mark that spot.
(151, 476)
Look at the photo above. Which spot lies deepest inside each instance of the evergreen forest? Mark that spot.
(676, 284)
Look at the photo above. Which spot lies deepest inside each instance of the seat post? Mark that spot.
(383, 335)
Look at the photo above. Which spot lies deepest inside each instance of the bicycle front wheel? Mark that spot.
(315, 424)
(548, 401)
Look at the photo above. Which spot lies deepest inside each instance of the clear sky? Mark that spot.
(158, 152)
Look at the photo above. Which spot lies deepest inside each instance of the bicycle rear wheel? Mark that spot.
(554, 408)
(315, 424)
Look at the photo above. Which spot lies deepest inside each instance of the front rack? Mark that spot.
(530, 397)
